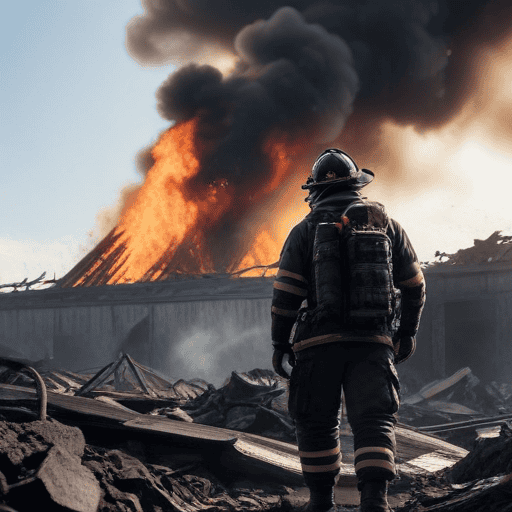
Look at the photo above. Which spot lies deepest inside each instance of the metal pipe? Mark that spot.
(40, 385)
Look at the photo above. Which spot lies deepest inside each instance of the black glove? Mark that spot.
(280, 351)
(403, 346)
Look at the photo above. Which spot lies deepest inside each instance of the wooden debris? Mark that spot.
(459, 398)
(480, 482)
(417, 452)
(27, 284)
(488, 458)
(135, 385)
(436, 387)
(496, 248)
(119, 370)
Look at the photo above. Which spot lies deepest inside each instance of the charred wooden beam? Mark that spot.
(87, 263)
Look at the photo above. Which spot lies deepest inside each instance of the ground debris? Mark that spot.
(489, 457)
(480, 482)
(41, 468)
(488, 495)
(254, 402)
(455, 408)
(142, 462)
(47, 466)
(130, 484)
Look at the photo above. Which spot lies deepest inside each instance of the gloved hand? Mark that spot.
(403, 346)
(280, 351)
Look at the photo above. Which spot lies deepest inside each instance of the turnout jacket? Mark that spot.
(294, 283)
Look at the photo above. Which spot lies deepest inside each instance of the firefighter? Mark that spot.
(331, 349)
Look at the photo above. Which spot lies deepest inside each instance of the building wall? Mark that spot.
(27, 333)
(203, 327)
(185, 330)
(467, 321)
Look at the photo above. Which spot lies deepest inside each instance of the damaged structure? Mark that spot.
(86, 327)
(226, 317)
(467, 320)
(224, 451)
(229, 436)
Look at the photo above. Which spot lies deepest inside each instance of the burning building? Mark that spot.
(261, 90)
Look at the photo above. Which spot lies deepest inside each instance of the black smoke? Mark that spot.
(308, 69)
(399, 48)
(291, 75)
(144, 160)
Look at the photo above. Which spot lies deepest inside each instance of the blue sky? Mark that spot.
(75, 109)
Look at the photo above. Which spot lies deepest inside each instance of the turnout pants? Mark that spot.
(366, 374)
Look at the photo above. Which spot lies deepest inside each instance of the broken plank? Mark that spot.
(436, 387)
(417, 452)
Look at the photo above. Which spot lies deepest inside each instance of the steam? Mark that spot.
(212, 353)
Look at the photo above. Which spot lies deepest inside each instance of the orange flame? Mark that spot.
(265, 251)
(268, 242)
(160, 215)
(163, 229)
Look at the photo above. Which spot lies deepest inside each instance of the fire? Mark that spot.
(166, 226)
(267, 244)
(264, 251)
(160, 215)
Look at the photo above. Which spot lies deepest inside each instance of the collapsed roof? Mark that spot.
(496, 248)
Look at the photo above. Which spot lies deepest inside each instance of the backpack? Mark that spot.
(353, 268)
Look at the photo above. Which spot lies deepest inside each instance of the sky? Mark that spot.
(75, 109)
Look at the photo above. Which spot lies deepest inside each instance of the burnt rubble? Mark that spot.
(496, 248)
(458, 408)
(134, 441)
(129, 483)
(482, 481)
(41, 466)
(253, 402)
(48, 466)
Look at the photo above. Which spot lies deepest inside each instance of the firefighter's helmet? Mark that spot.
(335, 166)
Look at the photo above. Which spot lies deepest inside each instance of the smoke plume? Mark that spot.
(316, 72)
(289, 73)
(398, 47)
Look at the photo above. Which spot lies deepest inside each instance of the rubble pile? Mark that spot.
(125, 380)
(232, 448)
(254, 402)
(480, 482)
(41, 468)
(459, 397)
(129, 484)
(497, 247)
(48, 466)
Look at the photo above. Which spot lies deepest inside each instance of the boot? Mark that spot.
(320, 500)
(374, 496)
